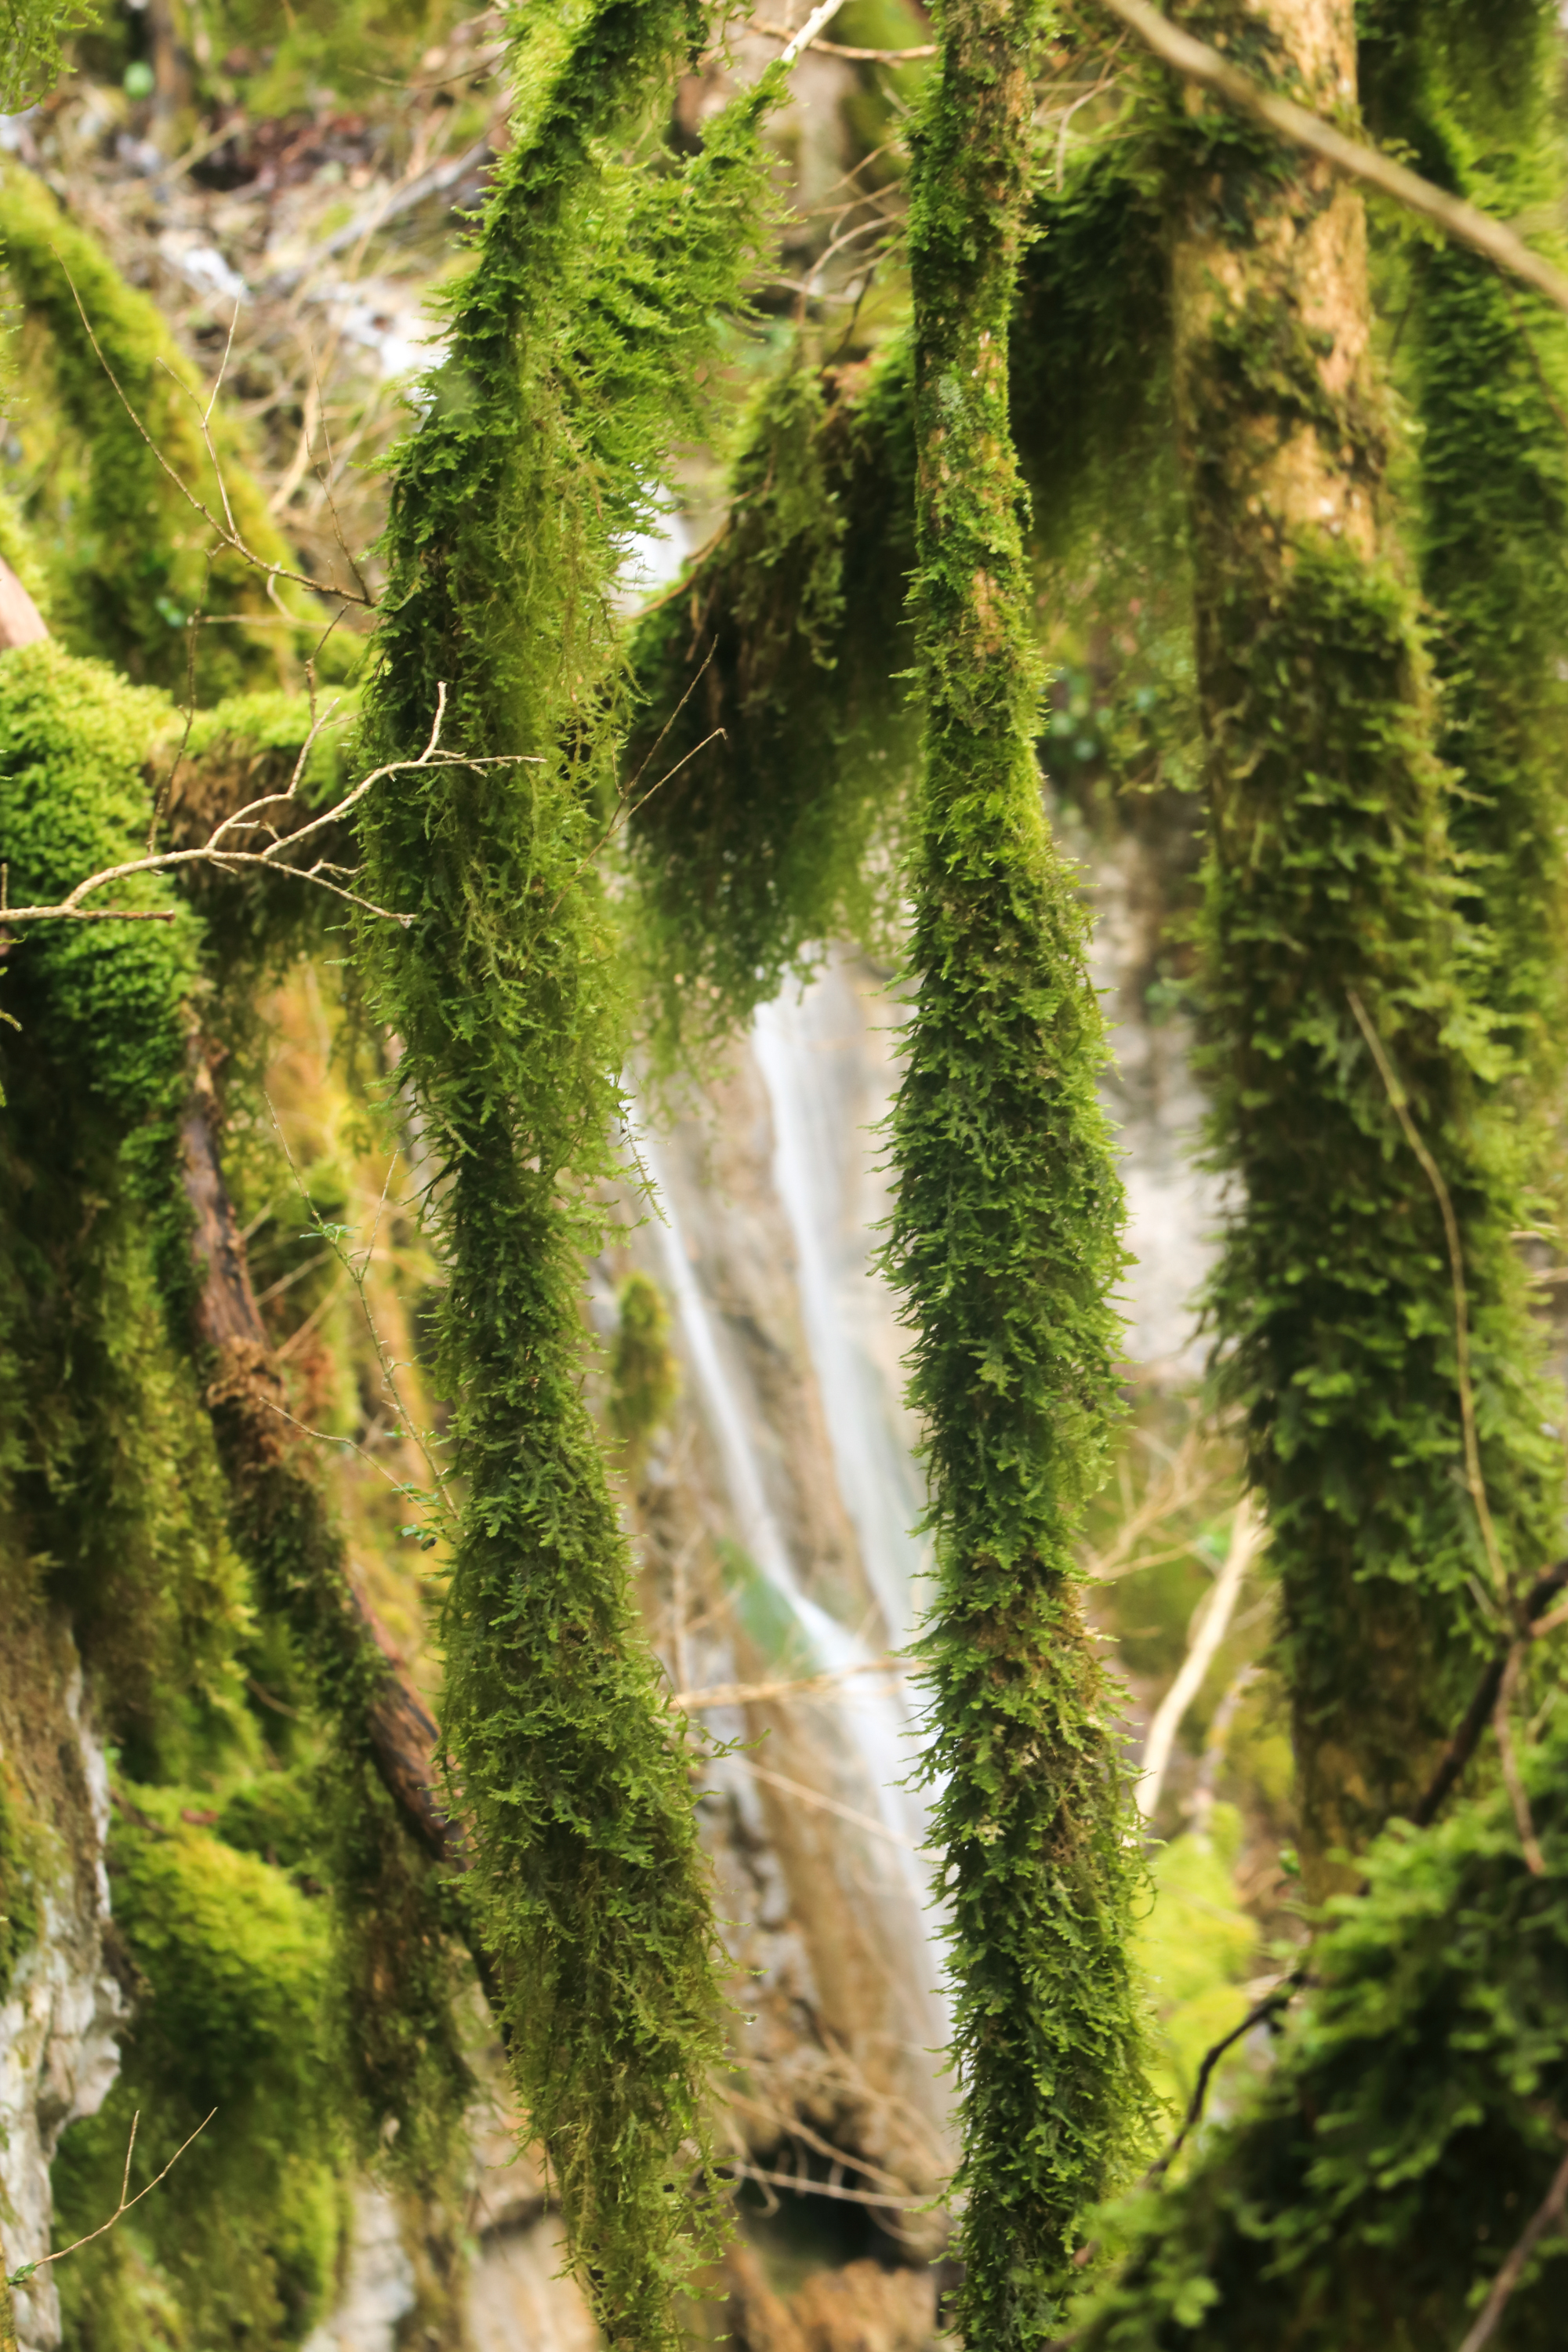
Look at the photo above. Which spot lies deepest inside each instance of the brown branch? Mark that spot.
(217, 852)
(1269, 2006)
(404, 1738)
(1502, 1725)
(1464, 223)
(1465, 1740)
(20, 2277)
(1400, 1103)
(859, 57)
(1549, 2210)
(226, 535)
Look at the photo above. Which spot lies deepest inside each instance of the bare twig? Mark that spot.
(859, 57)
(1503, 1726)
(814, 25)
(1549, 2212)
(226, 535)
(20, 2277)
(1248, 1536)
(815, 1798)
(1462, 1746)
(1464, 223)
(808, 2188)
(802, 1687)
(1434, 1175)
(217, 851)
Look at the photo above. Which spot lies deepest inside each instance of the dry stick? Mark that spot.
(229, 538)
(1465, 223)
(1508, 2278)
(860, 56)
(1434, 1175)
(818, 22)
(815, 1798)
(214, 851)
(1248, 1536)
(1502, 1726)
(20, 2277)
(745, 1694)
(1462, 1746)
(826, 2188)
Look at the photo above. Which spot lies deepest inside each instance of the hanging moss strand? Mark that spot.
(1005, 1243)
(597, 269)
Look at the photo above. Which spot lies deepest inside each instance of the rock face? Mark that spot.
(57, 2025)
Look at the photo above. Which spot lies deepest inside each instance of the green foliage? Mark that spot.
(31, 34)
(124, 553)
(1330, 873)
(1486, 370)
(1409, 2128)
(1005, 1242)
(1336, 1289)
(771, 706)
(137, 1520)
(232, 1962)
(1195, 1950)
(104, 1000)
(644, 1375)
(539, 452)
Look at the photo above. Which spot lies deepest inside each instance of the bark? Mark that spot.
(1330, 884)
(246, 1392)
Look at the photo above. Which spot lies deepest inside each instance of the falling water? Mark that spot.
(809, 1047)
(874, 1724)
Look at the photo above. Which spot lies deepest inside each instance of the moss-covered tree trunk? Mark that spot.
(1006, 1243)
(1330, 881)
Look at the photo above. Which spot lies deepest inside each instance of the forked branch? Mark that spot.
(259, 818)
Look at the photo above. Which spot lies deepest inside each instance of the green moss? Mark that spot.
(1005, 1244)
(1331, 873)
(645, 1375)
(771, 760)
(1486, 370)
(34, 33)
(543, 438)
(233, 1965)
(125, 555)
(104, 1000)
(1374, 2182)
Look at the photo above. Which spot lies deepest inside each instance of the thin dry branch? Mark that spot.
(215, 851)
(819, 1803)
(226, 534)
(20, 2277)
(1249, 1534)
(808, 2188)
(1549, 2210)
(1464, 223)
(858, 56)
(801, 1686)
(816, 24)
(1434, 1175)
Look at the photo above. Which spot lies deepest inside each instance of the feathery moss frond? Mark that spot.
(1005, 1242)
(539, 452)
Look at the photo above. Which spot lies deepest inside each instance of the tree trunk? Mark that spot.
(1331, 883)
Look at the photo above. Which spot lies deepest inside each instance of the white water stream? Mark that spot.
(874, 1722)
